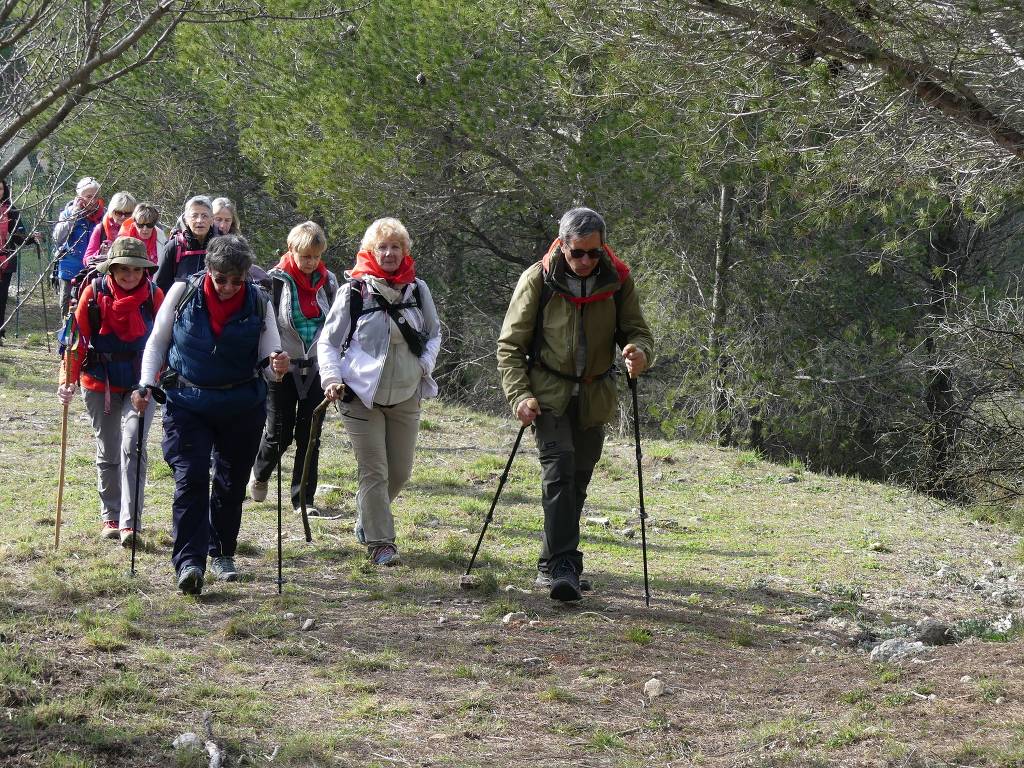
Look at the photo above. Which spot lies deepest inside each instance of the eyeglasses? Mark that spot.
(122, 213)
(145, 226)
(225, 280)
(593, 254)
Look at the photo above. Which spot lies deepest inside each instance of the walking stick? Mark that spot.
(315, 425)
(280, 554)
(138, 481)
(640, 482)
(17, 312)
(494, 502)
(71, 348)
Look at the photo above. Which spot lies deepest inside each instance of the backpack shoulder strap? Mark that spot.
(93, 310)
(538, 323)
(262, 297)
(191, 287)
(355, 309)
(277, 286)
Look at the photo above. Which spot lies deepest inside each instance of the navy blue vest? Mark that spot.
(112, 360)
(223, 369)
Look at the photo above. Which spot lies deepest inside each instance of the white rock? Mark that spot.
(307, 625)
(441, 620)
(514, 588)
(598, 521)
(533, 660)
(289, 615)
(535, 622)
(1001, 700)
(896, 649)
(516, 617)
(966, 679)
(654, 688)
(188, 740)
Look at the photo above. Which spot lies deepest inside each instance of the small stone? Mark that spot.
(514, 588)
(469, 581)
(289, 615)
(441, 620)
(437, 737)
(604, 521)
(628, 533)
(789, 479)
(307, 625)
(966, 679)
(531, 660)
(516, 617)
(535, 622)
(877, 546)
(1001, 700)
(436, 601)
(654, 688)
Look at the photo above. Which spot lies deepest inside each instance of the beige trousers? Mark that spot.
(384, 441)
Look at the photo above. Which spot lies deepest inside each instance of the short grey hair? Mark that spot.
(202, 200)
(229, 254)
(580, 222)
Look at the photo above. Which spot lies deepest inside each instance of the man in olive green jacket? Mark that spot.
(557, 370)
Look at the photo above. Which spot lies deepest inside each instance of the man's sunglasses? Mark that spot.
(593, 253)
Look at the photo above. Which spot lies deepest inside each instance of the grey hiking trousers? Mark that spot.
(384, 441)
(116, 460)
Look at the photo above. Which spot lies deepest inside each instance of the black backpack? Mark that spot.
(417, 340)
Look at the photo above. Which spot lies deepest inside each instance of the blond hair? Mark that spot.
(307, 235)
(122, 201)
(383, 229)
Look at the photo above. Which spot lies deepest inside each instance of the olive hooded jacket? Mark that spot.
(606, 320)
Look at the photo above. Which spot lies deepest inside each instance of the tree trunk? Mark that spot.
(721, 420)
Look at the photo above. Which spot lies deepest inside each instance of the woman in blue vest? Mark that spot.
(214, 334)
(114, 319)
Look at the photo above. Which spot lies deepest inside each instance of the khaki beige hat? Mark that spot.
(128, 252)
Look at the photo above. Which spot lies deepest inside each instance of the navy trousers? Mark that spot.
(206, 522)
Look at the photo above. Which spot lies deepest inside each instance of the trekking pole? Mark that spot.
(28, 295)
(640, 482)
(46, 319)
(138, 480)
(315, 425)
(494, 502)
(280, 554)
(17, 312)
(68, 351)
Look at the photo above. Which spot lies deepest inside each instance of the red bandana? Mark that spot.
(620, 267)
(366, 264)
(304, 282)
(129, 229)
(220, 311)
(119, 309)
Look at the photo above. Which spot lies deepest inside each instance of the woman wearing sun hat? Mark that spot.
(114, 319)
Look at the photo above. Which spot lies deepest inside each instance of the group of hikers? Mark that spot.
(241, 358)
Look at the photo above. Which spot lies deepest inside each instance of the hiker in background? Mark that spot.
(556, 363)
(185, 252)
(215, 334)
(302, 294)
(377, 354)
(144, 225)
(12, 237)
(225, 217)
(103, 234)
(115, 315)
(71, 234)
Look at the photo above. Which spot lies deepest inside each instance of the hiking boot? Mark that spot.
(385, 554)
(190, 580)
(565, 582)
(128, 534)
(223, 569)
(109, 530)
(257, 488)
(310, 511)
(543, 581)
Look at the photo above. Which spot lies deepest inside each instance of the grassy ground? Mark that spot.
(757, 572)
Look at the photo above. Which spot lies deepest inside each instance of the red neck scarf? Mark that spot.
(366, 264)
(620, 267)
(221, 311)
(129, 229)
(304, 282)
(120, 309)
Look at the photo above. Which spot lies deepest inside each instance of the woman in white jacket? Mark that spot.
(376, 354)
